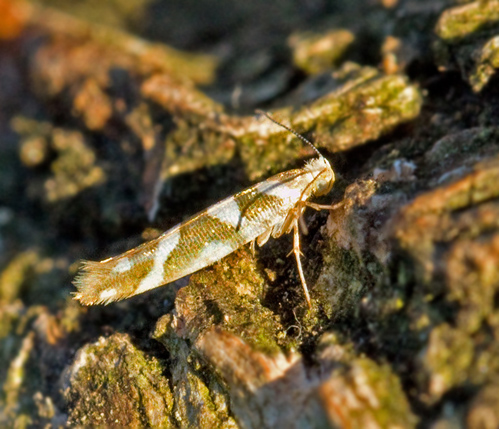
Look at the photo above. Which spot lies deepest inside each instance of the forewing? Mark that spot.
(195, 244)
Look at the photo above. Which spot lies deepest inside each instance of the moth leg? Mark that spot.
(319, 207)
(263, 238)
(252, 247)
(303, 225)
(297, 252)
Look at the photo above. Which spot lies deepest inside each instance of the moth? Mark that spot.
(269, 208)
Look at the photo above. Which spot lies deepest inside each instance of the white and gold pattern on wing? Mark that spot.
(271, 207)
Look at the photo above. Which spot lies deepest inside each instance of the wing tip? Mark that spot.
(92, 287)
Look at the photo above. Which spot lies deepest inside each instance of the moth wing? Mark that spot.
(255, 213)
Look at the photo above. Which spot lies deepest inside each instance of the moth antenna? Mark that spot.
(303, 139)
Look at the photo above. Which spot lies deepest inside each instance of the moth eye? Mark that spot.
(323, 185)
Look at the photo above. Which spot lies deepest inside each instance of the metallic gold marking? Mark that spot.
(194, 237)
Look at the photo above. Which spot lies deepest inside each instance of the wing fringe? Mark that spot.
(92, 282)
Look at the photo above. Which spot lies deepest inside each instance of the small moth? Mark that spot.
(269, 208)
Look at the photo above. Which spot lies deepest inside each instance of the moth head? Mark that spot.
(323, 175)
